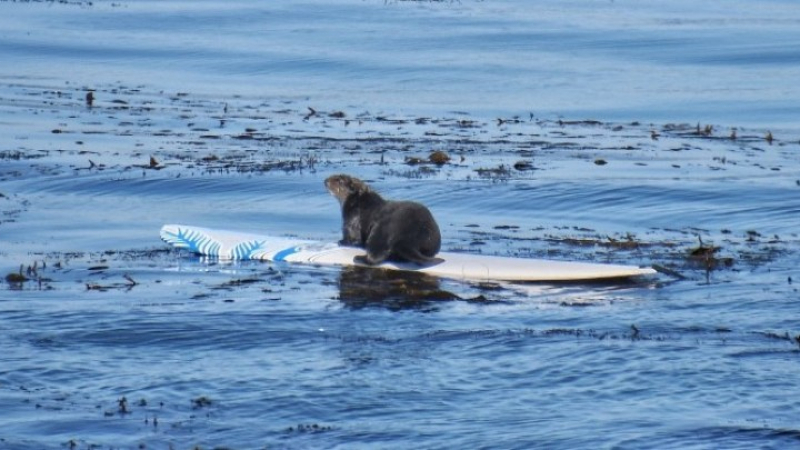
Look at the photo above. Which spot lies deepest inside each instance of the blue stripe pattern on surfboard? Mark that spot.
(245, 250)
(193, 240)
(281, 255)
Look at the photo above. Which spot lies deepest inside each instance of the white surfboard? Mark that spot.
(234, 245)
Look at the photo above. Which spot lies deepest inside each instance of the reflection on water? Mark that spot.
(364, 287)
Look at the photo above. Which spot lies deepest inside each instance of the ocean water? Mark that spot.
(628, 132)
(729, 63)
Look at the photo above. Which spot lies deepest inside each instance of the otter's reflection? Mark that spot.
(365, 287)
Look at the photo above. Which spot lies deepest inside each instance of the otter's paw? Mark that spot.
(362, 259)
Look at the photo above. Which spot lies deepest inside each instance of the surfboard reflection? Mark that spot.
(366, 287)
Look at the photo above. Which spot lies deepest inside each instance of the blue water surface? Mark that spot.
(630, 132)
(730, 63)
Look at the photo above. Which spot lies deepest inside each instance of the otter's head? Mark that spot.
(342, 186)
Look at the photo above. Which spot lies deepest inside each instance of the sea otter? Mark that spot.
(389, 230)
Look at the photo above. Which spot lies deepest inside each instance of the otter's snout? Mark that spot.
(332, 184)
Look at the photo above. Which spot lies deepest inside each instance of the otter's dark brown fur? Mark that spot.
(388, 230)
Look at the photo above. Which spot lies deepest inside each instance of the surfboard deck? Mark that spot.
(233, 245)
